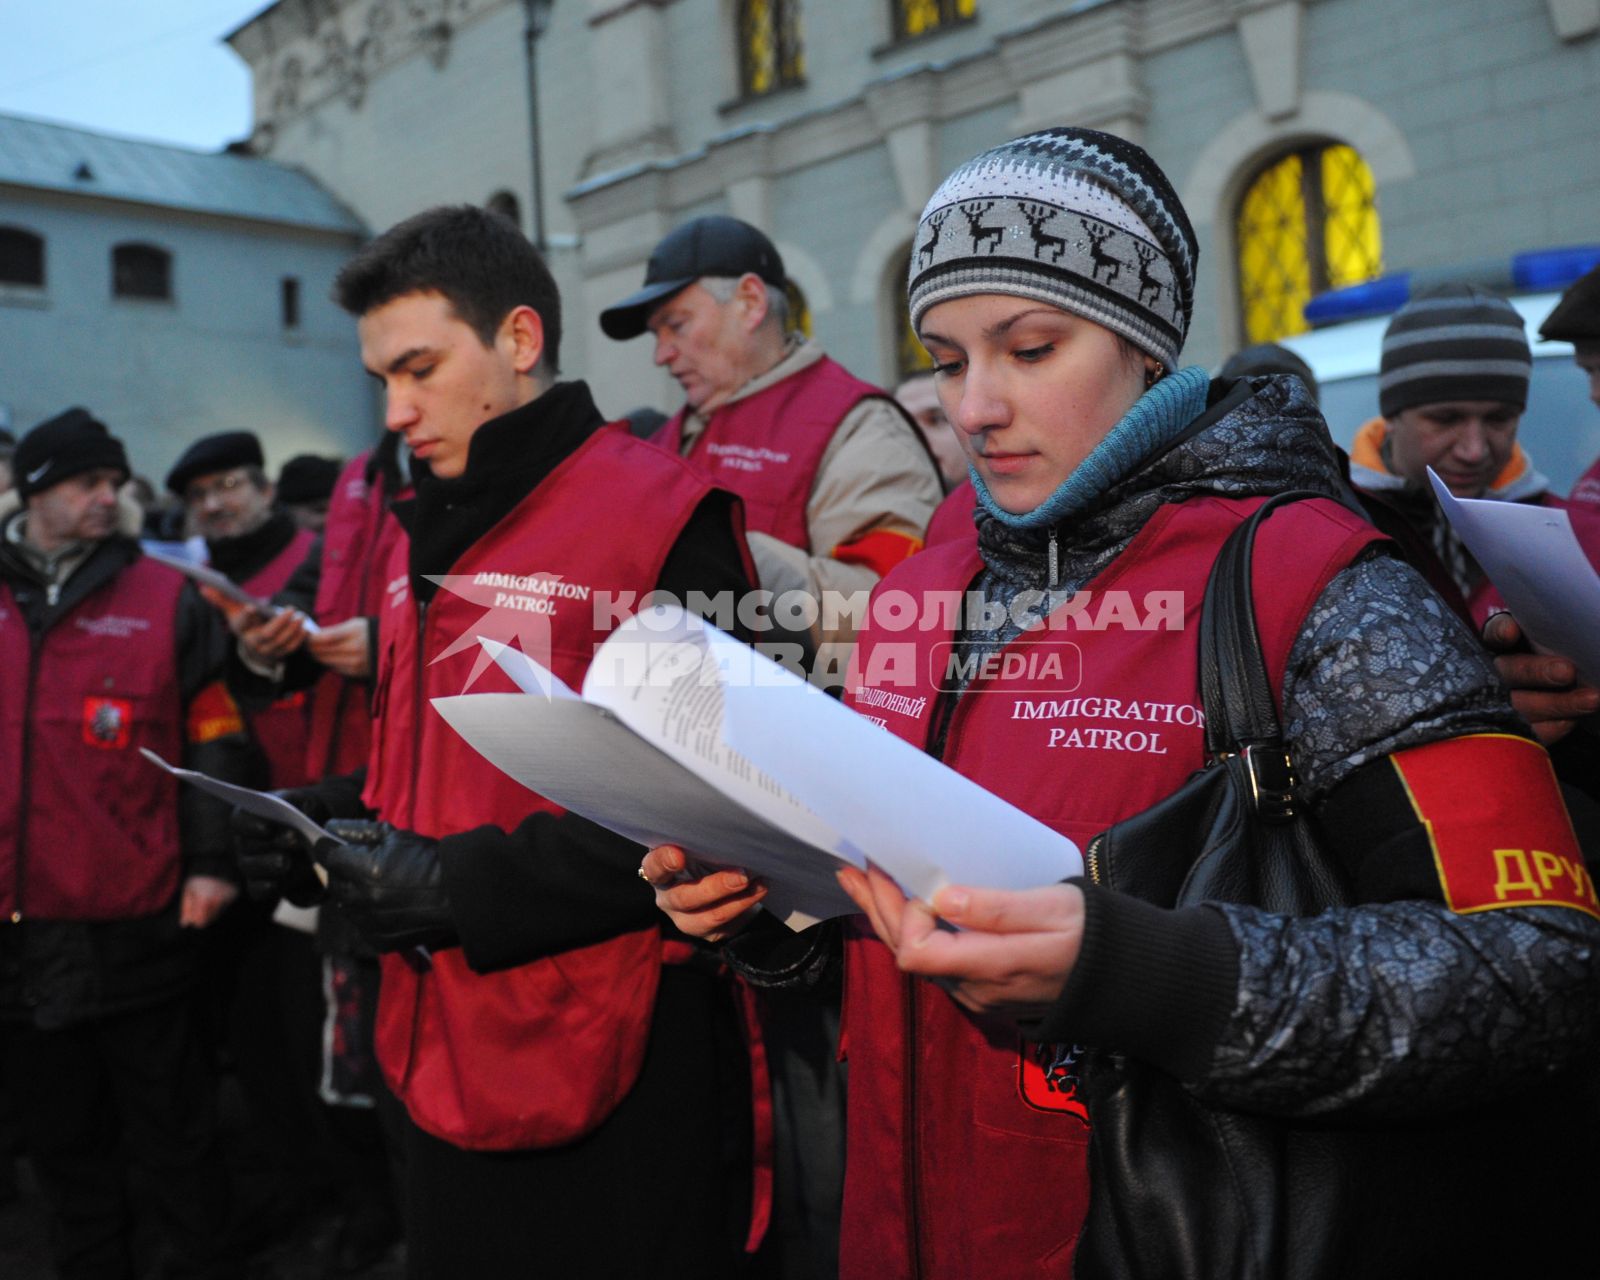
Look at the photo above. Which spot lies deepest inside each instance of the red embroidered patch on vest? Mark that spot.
(212, 714)
(1499, 829)
(106, 722)
(1047, 1078)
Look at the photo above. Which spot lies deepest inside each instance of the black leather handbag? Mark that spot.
(1180, 1188)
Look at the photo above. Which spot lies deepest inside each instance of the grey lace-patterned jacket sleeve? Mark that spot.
(1380, 665)
(1405, 1007)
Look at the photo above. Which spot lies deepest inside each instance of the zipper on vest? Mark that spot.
(1054, 556)
(1091, 857)
(418, 701)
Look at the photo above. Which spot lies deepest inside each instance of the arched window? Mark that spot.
(21, 257)
(506, 205)
(770, 53)
(1307, 223)
(910, 356)
(141, 271)
(918, 17)
(798, 321)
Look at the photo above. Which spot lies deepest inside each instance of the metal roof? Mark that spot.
(55, 157)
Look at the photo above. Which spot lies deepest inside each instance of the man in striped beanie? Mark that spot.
(1452, 385)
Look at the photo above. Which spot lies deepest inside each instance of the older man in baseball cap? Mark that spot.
(836, 482)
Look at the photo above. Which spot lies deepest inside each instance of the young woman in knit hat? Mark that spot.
(1052, 282)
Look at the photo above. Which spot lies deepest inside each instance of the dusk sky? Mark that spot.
(156, 70)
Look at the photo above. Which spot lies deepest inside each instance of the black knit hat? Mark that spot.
(715, 245)
(1457, 343)
(1082, 220)
(1577, 316)
(209, 454)
(64, 446)
(308, 478)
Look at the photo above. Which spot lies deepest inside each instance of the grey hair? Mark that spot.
(722, 288)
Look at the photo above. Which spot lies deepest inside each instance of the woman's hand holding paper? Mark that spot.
(1009, 955)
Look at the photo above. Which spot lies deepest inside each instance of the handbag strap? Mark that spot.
(1235, 692)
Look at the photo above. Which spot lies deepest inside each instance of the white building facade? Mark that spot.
(829, 122)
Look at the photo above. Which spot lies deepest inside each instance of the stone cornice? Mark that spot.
(303, 53)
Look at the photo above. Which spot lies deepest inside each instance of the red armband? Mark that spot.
(879, 551)
(1499, 829)
(212, 714)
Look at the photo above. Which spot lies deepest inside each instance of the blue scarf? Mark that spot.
(1157, 418)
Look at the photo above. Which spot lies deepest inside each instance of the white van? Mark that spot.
(1560, 430)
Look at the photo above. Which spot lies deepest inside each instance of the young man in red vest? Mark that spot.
(552, 1054)
(102, 862)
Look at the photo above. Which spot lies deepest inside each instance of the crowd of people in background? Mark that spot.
(500, 1037)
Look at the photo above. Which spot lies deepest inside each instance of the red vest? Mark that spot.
(952, 518)
(966, 1145)
(1586, 493)
(280, 728)
(766, 447)
(88, 828)
(357, 541)
(537, 1055)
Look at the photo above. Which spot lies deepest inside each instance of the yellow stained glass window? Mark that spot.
(1307, 223)
(770, 52)
(918, 17)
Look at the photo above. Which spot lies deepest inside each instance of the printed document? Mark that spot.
(682, 735)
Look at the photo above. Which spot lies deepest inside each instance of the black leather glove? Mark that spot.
(275, 860)
(389, 884)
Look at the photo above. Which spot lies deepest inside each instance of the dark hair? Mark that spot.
(482, 265)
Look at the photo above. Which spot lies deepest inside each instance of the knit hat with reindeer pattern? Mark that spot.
(1082, 220)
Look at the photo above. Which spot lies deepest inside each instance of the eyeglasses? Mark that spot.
(202, 491)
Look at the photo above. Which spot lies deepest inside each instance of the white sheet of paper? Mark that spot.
(585, 760)
(918, 819)
(1532, 556)
(685, 736)
(261, 803)
(657, 675)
